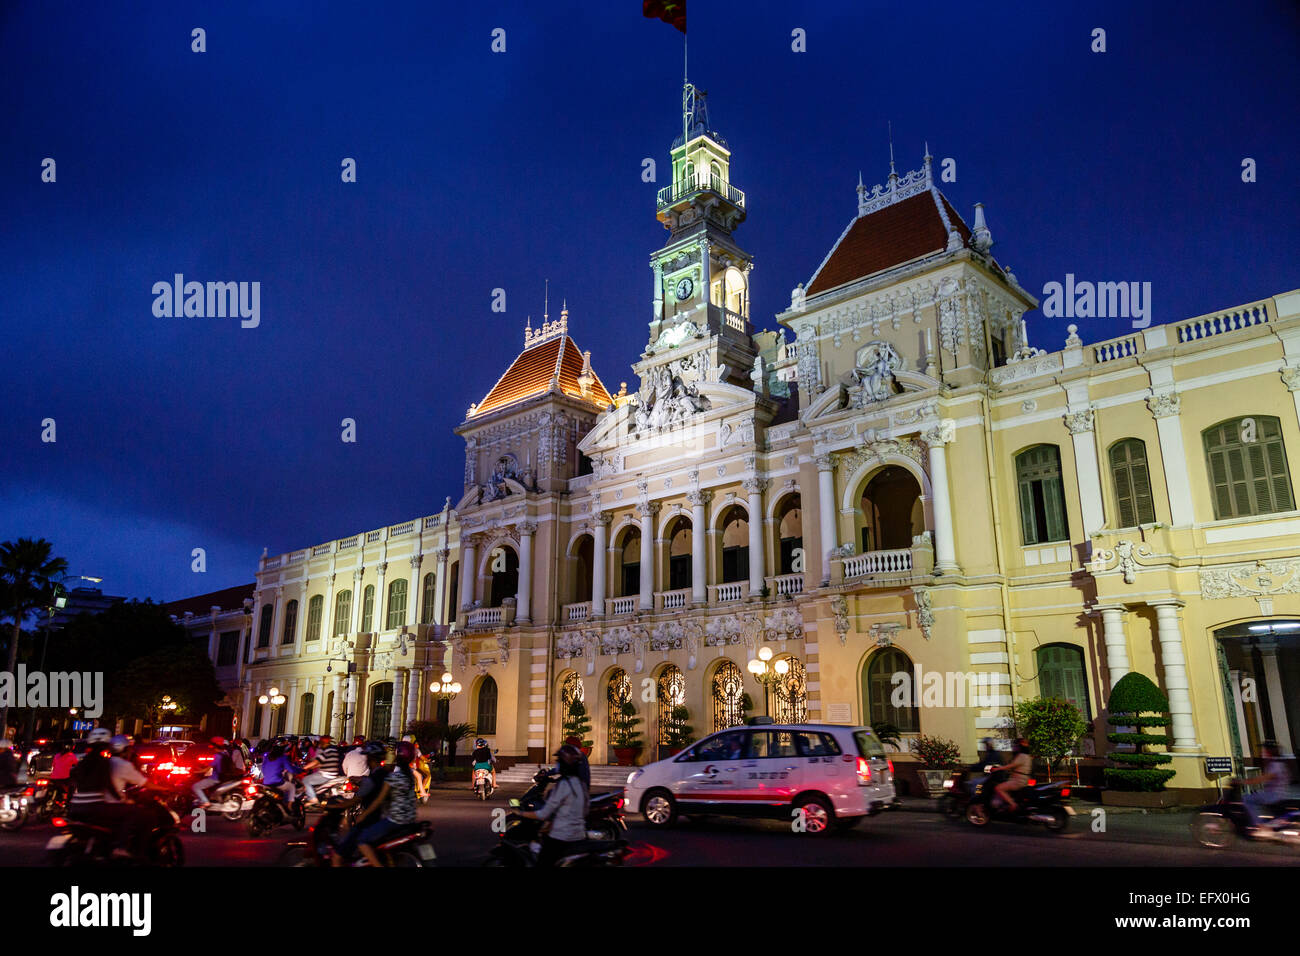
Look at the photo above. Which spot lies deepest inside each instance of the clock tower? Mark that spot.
(701, 276)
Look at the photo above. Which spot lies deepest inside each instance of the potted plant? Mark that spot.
(624, 736)
(677, 734)
(1137, 703)
(578, 724)
(888, 735)
(938, 757)
(1052, 727)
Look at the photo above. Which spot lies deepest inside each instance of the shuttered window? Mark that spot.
(1042, 496)
(343, 613)
(1061, 675)
(1128, 469)
(396, 604)
(1247, 465)
(315, 609)
(427, 600)
(367, 609)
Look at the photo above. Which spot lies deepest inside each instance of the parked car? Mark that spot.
(824, 776)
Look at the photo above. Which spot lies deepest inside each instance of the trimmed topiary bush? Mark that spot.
(1052, 727)
(1137, 703)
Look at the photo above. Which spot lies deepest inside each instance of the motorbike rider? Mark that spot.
(356, 760)
(8, 764)
(327, 765)
(61, 769)
(367, 784)
(987, 757)
(394, 805)
(566, 808)
(278, 771)
(223, 769)
(1275, 786)
(584, 768)
(484, 759)
(1021, 764)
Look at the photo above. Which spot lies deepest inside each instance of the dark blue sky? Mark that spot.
(479, 170)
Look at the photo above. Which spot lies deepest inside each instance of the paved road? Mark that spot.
(464, 835)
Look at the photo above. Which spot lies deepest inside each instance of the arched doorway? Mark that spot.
(789, 535)
(890, 510)
(503, 566)
(888, 699)
(788, 694)
(728, 695)
(678, 535)
(571, 690)
(735, 544)
(618, 691)
(670, 692)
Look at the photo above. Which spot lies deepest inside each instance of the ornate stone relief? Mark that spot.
(924, 611)
(1162, 406)
(1124, 556)
(669, 396)
(874, 371)
(1079, 422)
(1291, 378)
(1251, 580)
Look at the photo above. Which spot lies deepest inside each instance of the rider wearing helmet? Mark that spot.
(393, 806)
(103, 778)
(566, 808)
(484, 759)
(222, 769)
(373, 753)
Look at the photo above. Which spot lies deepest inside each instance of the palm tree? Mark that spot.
(28, 575)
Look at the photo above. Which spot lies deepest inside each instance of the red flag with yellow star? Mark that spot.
(669, 11)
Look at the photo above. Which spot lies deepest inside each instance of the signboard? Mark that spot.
(1218, 766)
(83, 725)
(837, 713)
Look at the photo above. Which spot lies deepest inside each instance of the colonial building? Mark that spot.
(896, 485)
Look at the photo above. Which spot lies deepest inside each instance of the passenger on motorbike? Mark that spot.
(484, 759)
(988, 757)
(393, 806)
(566, 808)
(355, 761)
(328, 765)
(1275, 785)
(223, 769)
(367, 790)
(584, 768)
(1019, 767)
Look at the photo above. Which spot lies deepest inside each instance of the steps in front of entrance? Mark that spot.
(603, 776)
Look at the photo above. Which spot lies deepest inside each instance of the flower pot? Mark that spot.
(626, 756)
(933, 780)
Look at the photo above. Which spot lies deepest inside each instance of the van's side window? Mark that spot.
(816, 745)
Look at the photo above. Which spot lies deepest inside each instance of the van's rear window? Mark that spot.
(868, 745)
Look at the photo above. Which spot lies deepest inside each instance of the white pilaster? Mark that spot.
(1080, 425)
(354, 624)
(647, 511)
(754, 488)
(699, 562)
(1165, 408)
(1175, 667)
(598, 558)
(399, 702)
(945, 549)
(468, 572)
(1112, 619)
(1276, 695)
(826, 511)
(414, 593)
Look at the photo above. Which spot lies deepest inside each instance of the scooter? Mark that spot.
(483, 784)
(958, 788)
(410, 846)
(86, 844)
(271, 809)
(604, 810)
(46, 799)
(1220, 824)
(1037, 803)
(14, 807)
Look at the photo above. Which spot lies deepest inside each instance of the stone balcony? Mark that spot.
(888, 568)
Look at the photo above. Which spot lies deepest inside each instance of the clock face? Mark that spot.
(684, 288)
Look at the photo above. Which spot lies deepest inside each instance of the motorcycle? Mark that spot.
(271, 809)
(1037, 803)
(957, 788)
(78, 843)
(483, 784)
(14, 807)
(520, 844)
(410, 846)
(46, 799)
(604, 810)
(1219, 824)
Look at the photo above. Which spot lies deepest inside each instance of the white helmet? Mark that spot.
(100, 735)
(120, 743)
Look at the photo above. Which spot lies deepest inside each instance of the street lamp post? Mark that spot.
(769, 673)
(445, 689)
(276, 700)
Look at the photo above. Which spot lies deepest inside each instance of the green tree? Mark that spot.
(28, 574)
(1136, 702)
(454, 734)
(182, 671)
(626, 721)
(677, 732)
(577, 723)
(1052, 727)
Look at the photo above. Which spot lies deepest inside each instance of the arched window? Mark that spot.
(670, 692)
(630, 581)
(368, 609)
(381, 710)
(308, 705)
(503, 564)
(1042, 496)
(485, 721)
(571, 690)
(883, 706)
(290, 622)
(892, 513)
(735, 545)
(396, 604)
(429, 599)
(264, 628)
(715, 172)
(1247, 465)
(343, 613)
(1061, 675)
(789, 522)
(679, 553)
(617, 693)
(315, 610)
(1128, 469)
(790, 693)
(728, 688)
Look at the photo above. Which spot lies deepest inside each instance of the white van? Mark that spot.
(823, 775)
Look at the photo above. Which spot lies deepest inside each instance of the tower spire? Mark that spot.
(893, 173)
(546, 302)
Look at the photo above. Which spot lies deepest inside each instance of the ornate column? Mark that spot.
(468, 572)
(381, 599)
(355, 624)
(1165, 409)
(647, 511)
(699, 560)
(1175, 667)
(1276, 695)
(414, 686)
(826, 512)
(523, 603)
(337, 707)
(706, 273)
(1112, 620)
(600, 529)
(440, 588)
(399, 702)
(754, 488)
(414, 593)
(277, 623)
(945, 549)
(1080, 425)
(300, 619)
(659, 293)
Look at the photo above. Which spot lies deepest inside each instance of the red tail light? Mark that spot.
(1065, 792)
(864, 770)
(179, 769)
(29, 792)
(1033, 782)
(891, 767)
(59, 822)
(618, 804)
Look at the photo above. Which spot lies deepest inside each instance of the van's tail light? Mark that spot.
(864, 772)
(891, 767)
(1065, 792)
(1033, 782)
(59, 822)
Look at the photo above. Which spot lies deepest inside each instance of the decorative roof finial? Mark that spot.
(546, 307)
(981, 238)
(893, 173)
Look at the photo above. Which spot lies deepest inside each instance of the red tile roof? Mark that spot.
(229, 599)
(898, 233)
(530, 375)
